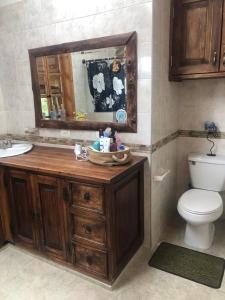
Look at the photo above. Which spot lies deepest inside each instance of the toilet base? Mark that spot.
(199, 236)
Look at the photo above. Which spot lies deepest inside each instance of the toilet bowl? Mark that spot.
(200, 208)
(202, 205)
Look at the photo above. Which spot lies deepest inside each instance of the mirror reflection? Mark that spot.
(84, 86)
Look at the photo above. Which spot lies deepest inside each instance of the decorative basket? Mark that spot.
(109, 158)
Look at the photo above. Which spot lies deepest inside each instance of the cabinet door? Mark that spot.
(197, 26)
(22, 208)
(52, 211)
(222, 56)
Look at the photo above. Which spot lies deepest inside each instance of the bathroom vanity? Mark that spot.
(84, 216)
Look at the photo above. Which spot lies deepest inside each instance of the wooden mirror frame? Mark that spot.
(128, 40)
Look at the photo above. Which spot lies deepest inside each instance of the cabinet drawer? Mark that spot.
(93, 230)
(87, 196)
(90, 259)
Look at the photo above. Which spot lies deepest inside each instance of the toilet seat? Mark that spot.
(200, 202)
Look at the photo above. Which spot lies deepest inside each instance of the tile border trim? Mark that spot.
(51, 141)
(164, 141)
(199, 134)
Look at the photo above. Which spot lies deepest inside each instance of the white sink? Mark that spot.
(16, 149)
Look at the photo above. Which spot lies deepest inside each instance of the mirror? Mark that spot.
(86, 85)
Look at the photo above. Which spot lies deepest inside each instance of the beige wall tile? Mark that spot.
(31, 24)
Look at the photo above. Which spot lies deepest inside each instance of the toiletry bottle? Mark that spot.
(101, 140)
(100, 133)
(113, 146)
(118, 140)
(106, 142)
(106, 147)
(63, 112)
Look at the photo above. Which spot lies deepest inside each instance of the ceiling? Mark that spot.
(7, 2)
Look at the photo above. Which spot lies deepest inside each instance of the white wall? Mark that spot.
(199, 101)
(2, 114)
(8, 2)
(164, 122)
(30, 24)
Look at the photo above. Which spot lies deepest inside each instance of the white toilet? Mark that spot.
(203, 205)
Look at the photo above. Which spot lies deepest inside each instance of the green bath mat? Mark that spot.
(193, 265)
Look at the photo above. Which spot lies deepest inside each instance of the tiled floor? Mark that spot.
(27, 277)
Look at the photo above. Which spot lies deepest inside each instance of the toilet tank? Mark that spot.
(207, 172)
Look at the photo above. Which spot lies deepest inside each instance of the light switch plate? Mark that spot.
(65, 133)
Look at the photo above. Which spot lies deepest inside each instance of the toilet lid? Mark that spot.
(201, 201)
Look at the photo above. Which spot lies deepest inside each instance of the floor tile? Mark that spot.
(25, 276)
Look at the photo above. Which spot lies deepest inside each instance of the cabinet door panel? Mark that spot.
(197, 26)
(22, 208)
(51, 209)
(222, 56)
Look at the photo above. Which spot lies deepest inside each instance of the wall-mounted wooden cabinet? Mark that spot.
(197, 42)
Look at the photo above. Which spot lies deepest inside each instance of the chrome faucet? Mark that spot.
(4, 144)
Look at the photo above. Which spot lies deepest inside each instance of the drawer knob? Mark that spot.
(87, 196)
(89, 260)
(87, 229)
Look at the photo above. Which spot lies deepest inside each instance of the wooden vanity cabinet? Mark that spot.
(88, 217)
(2, 239)
(22, 208)
(195, 42)
(38, 213)
(51, 214)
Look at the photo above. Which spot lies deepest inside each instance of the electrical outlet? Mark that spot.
(65, 133)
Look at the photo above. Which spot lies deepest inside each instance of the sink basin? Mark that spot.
(16, 149)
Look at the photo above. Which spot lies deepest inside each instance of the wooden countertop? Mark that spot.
(62, 162)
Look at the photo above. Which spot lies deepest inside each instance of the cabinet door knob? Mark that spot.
(87, 228)
(215, 57)
(87, 196)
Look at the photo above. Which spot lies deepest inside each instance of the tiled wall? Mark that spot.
(164, 123)
(2, 112)
(199, 101)
(30, 24)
